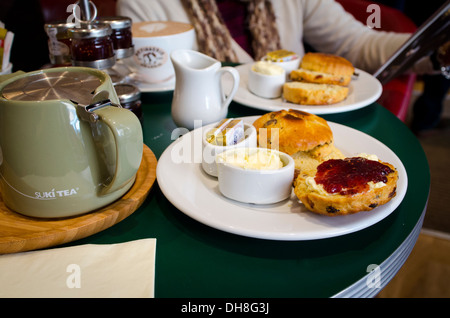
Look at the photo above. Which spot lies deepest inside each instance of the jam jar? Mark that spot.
(92, 46)
(121, 35)
(59, 42)
(130, 98)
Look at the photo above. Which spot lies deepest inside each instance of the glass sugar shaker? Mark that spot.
(130, 98)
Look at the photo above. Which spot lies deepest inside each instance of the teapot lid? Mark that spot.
(77, 86)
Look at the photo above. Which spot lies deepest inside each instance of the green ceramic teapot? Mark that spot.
(66, 145)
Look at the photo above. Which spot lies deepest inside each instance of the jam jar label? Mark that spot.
(150, 56)
(58, 48)
(54, 46)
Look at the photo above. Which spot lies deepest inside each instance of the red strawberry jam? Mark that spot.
(351, 175)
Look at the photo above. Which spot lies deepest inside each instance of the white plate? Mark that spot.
(197, 194)
(124, 70)
(363, 91)
(158, 87)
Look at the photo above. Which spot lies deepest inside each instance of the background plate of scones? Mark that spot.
(323, 84)
(316, 208)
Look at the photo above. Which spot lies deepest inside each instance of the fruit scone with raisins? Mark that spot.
(347, 186)
(306, 137)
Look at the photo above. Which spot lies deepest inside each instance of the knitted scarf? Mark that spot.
(214, 39)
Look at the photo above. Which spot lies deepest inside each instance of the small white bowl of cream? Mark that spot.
(266, 79)
(255, 175)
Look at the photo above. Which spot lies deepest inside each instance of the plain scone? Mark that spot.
(314, 94)
(324, 68)
(338, 204)
(306, 76)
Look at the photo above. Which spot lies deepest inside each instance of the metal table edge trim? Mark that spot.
(389, 267)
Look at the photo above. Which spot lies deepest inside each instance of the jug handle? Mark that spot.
(128, 138)
(226, 100)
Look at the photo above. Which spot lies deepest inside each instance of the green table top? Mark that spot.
(194, 260)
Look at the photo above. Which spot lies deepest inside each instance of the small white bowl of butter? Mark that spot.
(266, 79)
(255, 175)
(288, 60)
(244, 133)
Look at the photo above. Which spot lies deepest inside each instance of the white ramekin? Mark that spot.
(266, 86)
(256, 186)
(210, 151)
(288, 66)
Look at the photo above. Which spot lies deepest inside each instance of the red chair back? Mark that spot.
(397, 93)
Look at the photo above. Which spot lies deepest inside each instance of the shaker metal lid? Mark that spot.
(87, 31)
(60, 25)
(77, 86)
(127, 92)
(118, 22)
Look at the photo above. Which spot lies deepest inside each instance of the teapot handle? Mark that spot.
(226, 100)
(5, 77)
(127, 132)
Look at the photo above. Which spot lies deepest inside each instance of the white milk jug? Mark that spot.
(199, 96)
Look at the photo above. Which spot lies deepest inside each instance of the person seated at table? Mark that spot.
(245, 30)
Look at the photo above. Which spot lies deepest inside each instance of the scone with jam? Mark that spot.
(347, 186)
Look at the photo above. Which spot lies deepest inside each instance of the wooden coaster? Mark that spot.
(19, 233)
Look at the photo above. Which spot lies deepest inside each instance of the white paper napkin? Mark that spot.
(114, 270)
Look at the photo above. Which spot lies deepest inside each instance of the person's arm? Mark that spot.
(329, 28)
(152, 10)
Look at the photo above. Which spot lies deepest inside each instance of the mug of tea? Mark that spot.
(153, 42)
(66, 145)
